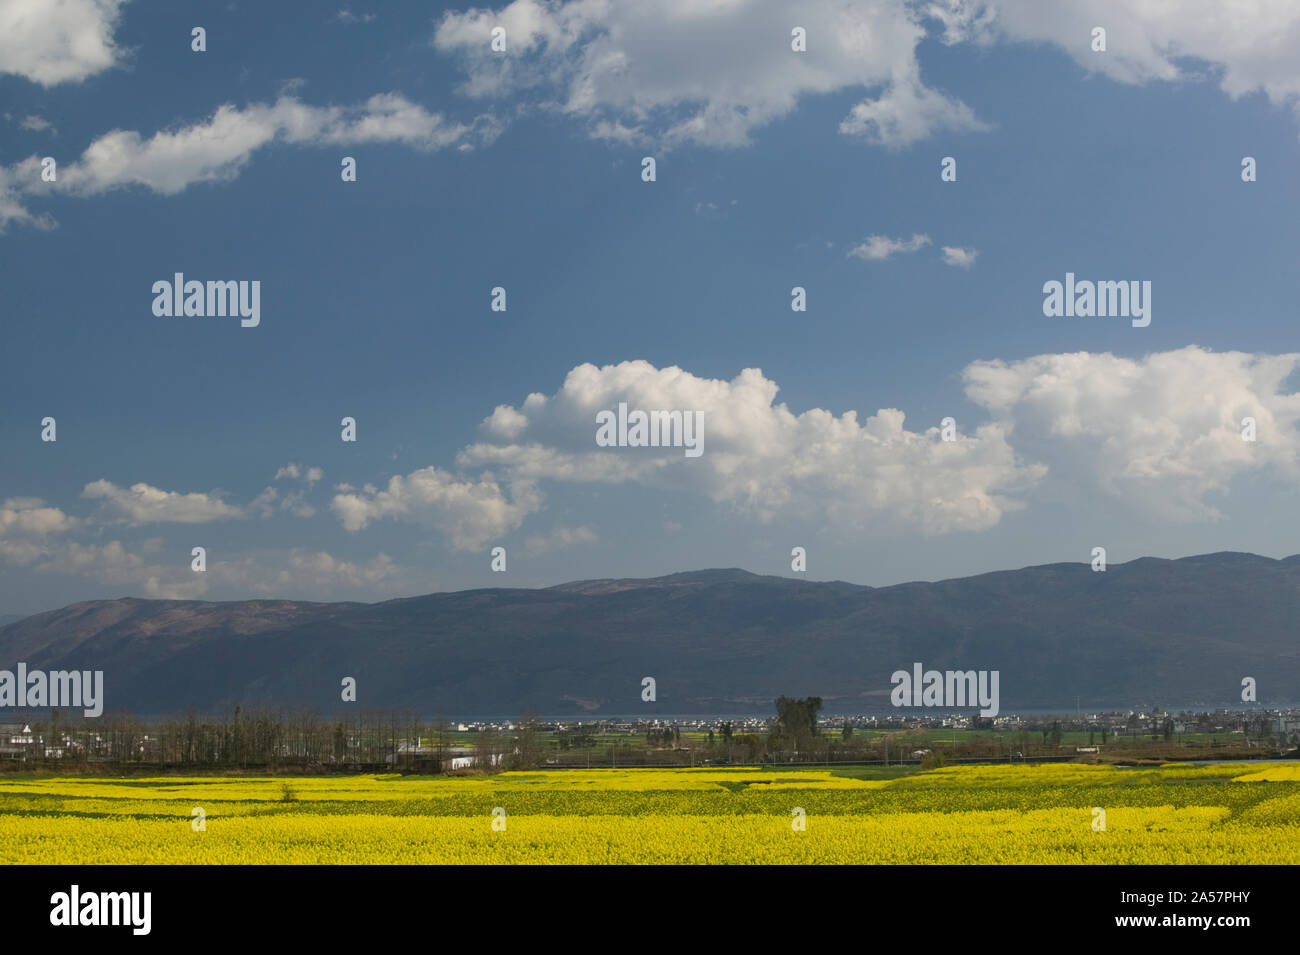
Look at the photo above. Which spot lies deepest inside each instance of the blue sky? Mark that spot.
(522, 170)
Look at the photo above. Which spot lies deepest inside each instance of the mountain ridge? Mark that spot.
(715, 640)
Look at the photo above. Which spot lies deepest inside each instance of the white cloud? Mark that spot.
(1157, 436)
(1251, 45)
(1162, 431)
(33, 534)
(300, 473)
(32, 517)
(144, 504)
(712, 73)
(759, 457)
(264, 504)
(959, 257)
(13, 211)
(318, 570)
(217, 149)
(109, 563)
(469, 512)
(875, 248)
(709, 73)
(36, 535)
(908, 112)
(58, 41)
(26, 524)
(171, 161)
(506, 422)
(37, 124)
(295, 502)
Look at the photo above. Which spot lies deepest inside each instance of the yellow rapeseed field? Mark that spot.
(974, 814)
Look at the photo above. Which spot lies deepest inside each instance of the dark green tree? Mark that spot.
(798, 718)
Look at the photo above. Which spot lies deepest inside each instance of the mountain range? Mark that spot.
(1150, 631)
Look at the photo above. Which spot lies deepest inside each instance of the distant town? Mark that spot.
(268, 741)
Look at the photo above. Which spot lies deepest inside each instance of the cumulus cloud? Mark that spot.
(876, 248)
(144, 504)
(58, 41)
(217, 149)
(110, 563)
(759, 457)
(1162, 432)
(36, 535)
(908, 112)
(959, 257)
(1250, 45)
(294, 501)
(1159, 435)
(26, 526)
(263, 505)
(299, 473)
(506, 422)
(31, 516)
(708, 73)
(13, 210)
(469, 512)
(712, 73)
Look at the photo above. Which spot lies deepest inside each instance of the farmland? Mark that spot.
(1173, 813)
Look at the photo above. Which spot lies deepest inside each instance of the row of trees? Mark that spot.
(243, 739)
(301, 741)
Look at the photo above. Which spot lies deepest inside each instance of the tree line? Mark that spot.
(301, 741)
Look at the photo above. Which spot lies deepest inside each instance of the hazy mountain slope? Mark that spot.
(723, 640)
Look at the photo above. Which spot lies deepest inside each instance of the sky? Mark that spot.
(523, 169)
